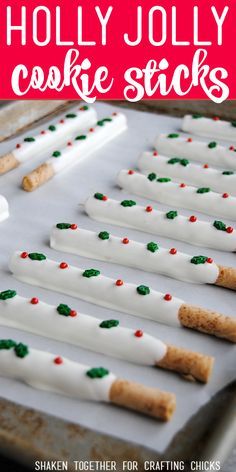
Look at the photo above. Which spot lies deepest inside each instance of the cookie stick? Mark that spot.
(65, 324)
(34, 145)
(67, 237)
(212, 127)
(163, 190)
(46, 371)
(90, 285)
(215, 234)
(82, 146)
(4, 208)
(181, 170)
(178, 145)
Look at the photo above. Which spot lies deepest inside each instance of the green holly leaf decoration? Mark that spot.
(212, 145)
(228, 172)
(56, 154)
(63, 310)
(198, 260)
(104, 235)
(71, 115)
(29, 140)
(203, 190)
(233, 123)
(152, 247)
(164, 180)
(7, 343)
(108, 324)
(99, 196)
(21, 350)
(7, 294)
(171, 215)
(184, 162)
(104, 121)
(128, 203)
(174, 160)
(91, 273)
(220, 225)
(97, 373)
(84, 108)
(152, 176)
(81, 137)
(63, 225)
(52, 128)
(195, 116)
(36, 256)
(173, 135)
(143, 290)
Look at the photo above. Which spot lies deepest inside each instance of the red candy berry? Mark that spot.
(73, 313)
(189, 140)
(229, 229)
(138, 333)
(74, 226)
(173, 251)
(210, 260)
(149, 209)
(24, 255)
(63, 265)
(104, 198)
(231, 148)
(43, 132)
(125, 241)
(225, 195)
(193, 219)
(69, 143)
(18, 146)
(168, 297)
(182, 185)
(58, 360)
(216, 118)
(119, 283)
(62, 121)
(155, 153)
(131, 172)
(206, 166)
(91, 130)
(34, 301)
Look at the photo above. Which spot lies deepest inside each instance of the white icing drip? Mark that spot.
(220, 156)
(192, 174)
(88, 244)
(38, 370)
(200, 233)
(219, 129)
(63, 132)
(99, 290)
(4, 209)
(94, 140)
(171, 193)
(82, 330)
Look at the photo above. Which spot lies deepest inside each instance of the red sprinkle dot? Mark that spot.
(58, 360)
(225, 195)
(216, 118)
(18, 146)
(210, 260)
(125, 241)
(62, 121)
(229, 229)
(34, 301)
(189, 140)
(138, 333)
(173, 251)
(91, 130)
(119, 283)
(63, 265)
(182, 185)
(168, 297)
(193, 219)
(24, 255)
(155, 153)
(149, 209)
(206, 166)
(131, 172)
(104, 198)
(43, 132)
(231, 148)
(69, 143)
(73, 313)
(74, 226)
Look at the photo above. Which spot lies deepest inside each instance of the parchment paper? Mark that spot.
(33, 214)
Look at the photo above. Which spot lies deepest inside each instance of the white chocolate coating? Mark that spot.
(220, 156)
(63, 132)
(192, 174)
(81, 330)
(202, 126)
(170, 193)
(39, 371)
(99, 290)
(4, 208)
(88, 244)
(94, 140)
(200, 233)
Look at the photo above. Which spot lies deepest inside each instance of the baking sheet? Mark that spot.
(33, 214)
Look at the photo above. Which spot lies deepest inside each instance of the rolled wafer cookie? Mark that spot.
(4, 208)
(215, 234)
(182, 170)
(57, 132)
(211, 153)
(210, 127)
(163, 190)
(67, 237)
(90, 285)
(66, 324)
(47, 371)
(80, 147)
